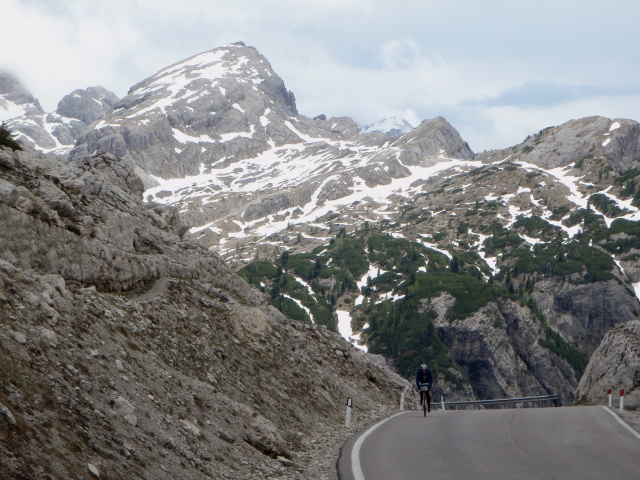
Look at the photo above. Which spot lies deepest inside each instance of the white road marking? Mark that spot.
(355, 452)
(622, 422)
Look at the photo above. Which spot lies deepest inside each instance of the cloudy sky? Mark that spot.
(498, 70)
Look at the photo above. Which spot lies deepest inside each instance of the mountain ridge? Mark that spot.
(546, 227)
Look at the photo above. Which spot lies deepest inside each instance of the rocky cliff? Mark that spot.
(129, 349)
(614, 365)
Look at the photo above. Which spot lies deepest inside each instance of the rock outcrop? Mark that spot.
(614, 365)
(585, 313)
(616, 139)
(435, 137)
(58, 131)
(87, 105)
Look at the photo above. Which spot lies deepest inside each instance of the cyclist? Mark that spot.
(424, 380)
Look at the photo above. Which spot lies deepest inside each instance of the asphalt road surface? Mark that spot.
(527, 443)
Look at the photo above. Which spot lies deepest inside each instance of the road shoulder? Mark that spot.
(344, 469)
(630, 417)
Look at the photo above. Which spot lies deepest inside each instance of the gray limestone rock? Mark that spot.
(8, 416)
(19, 337)
(435, 137)
(618, 140)
(93, 470)
(497, 350)
(614, 365)
(226, 437)
(124, 408)
(585, 313)
(56, 132)
(285, 461)
(87, 105)
(49, 336)
(6, 160)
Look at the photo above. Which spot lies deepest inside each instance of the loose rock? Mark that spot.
(94, 470)
(285, 461)
(18, 337)
(7, 414)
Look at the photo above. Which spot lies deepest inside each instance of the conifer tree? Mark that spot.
(7, 137)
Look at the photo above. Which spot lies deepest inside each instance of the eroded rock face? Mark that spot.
(497, 349)
(85, 222)
(614, 365)
(585, 313)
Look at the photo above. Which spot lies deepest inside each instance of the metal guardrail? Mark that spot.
(502, 401)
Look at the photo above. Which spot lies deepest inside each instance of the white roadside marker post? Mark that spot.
(347, 420)
(402, 400)
(442, 403)
(610, 391)
(621, 401)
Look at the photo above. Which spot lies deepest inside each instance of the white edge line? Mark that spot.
(355, 451)
(622, 422)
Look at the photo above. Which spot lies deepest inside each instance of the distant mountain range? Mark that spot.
(392, 126)
(520, 259)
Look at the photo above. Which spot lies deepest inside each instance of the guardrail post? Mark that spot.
(442, 403)
(402, 399)
(347, 420)
(610, 391)
(621, 401)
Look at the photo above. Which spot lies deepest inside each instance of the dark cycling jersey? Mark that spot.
(424, 378)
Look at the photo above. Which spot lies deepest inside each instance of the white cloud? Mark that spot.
(400, 53)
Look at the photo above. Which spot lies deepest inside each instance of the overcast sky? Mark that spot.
(498, 70)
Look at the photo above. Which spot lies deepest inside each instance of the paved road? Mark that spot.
(528, 443)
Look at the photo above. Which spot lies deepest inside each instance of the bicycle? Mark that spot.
(424, 395)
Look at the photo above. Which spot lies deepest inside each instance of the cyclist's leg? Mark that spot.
(428, 395)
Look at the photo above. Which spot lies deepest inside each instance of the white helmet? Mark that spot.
(423, 366)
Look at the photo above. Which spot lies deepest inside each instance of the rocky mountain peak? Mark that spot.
(210, 110)
(87, 105)
(436, 136)
(236, 68)
(55, 132)
(392, 126)
(15, 99)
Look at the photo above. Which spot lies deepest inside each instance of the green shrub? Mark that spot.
(7, 138)
(558, 345)
(605, 205)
